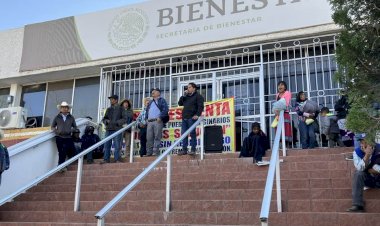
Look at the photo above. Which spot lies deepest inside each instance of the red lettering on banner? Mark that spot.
(171, 114)
(165, 134)
(218, 106)
(198, 131)
(178, 113)
(177, 133)
(224, 128)
(226, 108)
(209, 110)
(135, 115)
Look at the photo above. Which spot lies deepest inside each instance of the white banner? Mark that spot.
(161, 24)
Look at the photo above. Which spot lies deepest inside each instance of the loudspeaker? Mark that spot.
(213, 139)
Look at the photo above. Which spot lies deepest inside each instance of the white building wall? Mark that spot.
(10, 52)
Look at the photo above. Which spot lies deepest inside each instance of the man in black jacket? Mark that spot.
(114, 120)
(193, 104)
(63, 125)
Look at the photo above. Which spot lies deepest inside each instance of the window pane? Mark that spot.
(33, 99)
(57, 92)
(3, 97)
(86, 98)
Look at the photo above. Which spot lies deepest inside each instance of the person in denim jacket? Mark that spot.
(157, 109)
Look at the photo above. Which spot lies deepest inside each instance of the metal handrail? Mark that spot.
(101, 214)
(78, 157)
(274, 166)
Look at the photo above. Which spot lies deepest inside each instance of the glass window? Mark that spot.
(3, 97)
(57, 92)
(33, 99)
(86, 98)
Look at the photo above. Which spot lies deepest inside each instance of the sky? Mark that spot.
(18, 13)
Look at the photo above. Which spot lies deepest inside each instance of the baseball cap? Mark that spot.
(360, 136)
(114, 96)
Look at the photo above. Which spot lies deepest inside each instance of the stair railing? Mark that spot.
(274, 167)
(78, 157)
(102, 213)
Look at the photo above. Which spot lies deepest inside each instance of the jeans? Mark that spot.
(307, 135)
(154, 135)
(142, 141)
(117, 144)
(65, 148)
(186, 124)
(359, 180)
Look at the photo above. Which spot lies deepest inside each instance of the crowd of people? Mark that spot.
(154, 115)
(150, 123)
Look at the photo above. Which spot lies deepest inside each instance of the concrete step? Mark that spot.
(196, 218)
(307, 205)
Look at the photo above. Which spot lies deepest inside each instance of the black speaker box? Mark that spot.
(213, 139)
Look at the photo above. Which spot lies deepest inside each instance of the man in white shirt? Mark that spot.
(367, 174)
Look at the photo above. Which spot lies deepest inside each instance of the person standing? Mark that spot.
(193, 104)
(114, 120)
(63, 125)
(306, 121)
(89, 138)
(128, 114)
(156, 111)
(142, 125)
(283, 92)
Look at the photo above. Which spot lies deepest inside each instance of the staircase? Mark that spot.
(221, 190)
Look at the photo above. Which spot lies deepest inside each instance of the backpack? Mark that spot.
(4, 158)
(310, 106)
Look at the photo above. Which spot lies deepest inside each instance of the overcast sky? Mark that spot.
(17, 13)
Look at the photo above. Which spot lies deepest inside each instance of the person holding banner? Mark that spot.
(193, 104)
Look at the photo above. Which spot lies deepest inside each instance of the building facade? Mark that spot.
(231, 48)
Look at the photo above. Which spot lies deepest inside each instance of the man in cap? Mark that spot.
(156, 111)
(63, 124)
(114, 120)
(367, 172)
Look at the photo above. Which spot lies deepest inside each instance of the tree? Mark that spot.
(358, 57)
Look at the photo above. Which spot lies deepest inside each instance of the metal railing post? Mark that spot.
(274, 170)
(168, 178)
(202, 139)
(78, 185)
(101, 222)
(278, 184)
(131, 147)
(283, 138)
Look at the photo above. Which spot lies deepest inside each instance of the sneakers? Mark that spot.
(121, 160)
(90, 161)
(262, 163)
(192, 152)
(350, 158)
(63, 170)
(104, 162)
(182, 152)
(356, 209)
